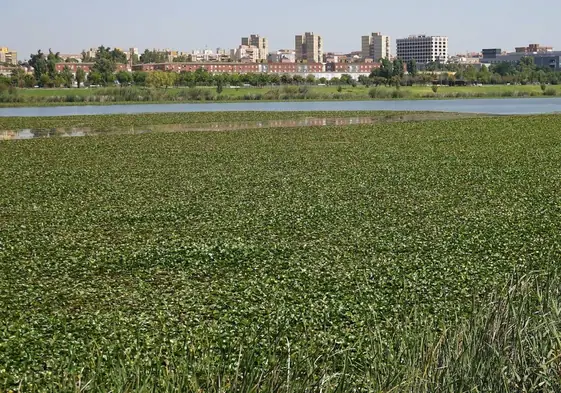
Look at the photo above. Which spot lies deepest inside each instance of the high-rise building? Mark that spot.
(423, 49)
(8, 56)
(376, 46)
(309, 47)
(260, 42)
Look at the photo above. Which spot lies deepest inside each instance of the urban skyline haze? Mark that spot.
(181, 25)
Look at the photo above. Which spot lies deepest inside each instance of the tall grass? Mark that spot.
(513, 344)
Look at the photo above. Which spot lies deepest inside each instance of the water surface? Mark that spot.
(29, 133)
(506, 106)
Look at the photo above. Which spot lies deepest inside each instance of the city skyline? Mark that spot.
(181, 30)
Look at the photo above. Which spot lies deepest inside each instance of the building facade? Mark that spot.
(423, 49)
(246, 54)
(260, 43)
(375, 46)
(319, 70)
(533, 48)
(309, 47)
(282, 56)
(86, 67)
(8, 56)
(551, 60)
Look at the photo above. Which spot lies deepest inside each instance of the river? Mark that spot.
(505, 106)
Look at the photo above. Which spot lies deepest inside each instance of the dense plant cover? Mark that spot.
(10, 96)
(404, 257)
(147, 119)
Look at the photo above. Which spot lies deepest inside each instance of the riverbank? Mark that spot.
(135, 95)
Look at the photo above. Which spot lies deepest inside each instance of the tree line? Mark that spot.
(395, 73)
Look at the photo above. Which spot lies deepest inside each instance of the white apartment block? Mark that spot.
(376, 46)
(309, 47)
(423, 49)
(260, 42)
(246, 53)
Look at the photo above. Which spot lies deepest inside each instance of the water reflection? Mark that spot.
(217, 126)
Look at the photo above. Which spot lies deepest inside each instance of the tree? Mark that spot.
(503, 69)
(106, 69)
(39, 63)
(124, 78)
(58, 81)
(17, 77)
(202, 77)
(80, 76)
(298, 79)
(262, 79)
(364, 80)
(44, 80)
(29, 80)
(310, 79)
(219, 87)
(94, 78)
(153, 57)
(398, 68)
(412, 67)
(139, 78)
(286, 79)
(158, 79)
(386, 70)
(346, 79)
(67, 77)
(274, 79)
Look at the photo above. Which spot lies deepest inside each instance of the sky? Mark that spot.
(67, 27)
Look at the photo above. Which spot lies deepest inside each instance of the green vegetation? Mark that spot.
(403, 257)
(27, 97)
(111, 122)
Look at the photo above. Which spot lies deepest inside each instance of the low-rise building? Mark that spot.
(86, 67)
(551, 60)
(348, 68)
(533, 48)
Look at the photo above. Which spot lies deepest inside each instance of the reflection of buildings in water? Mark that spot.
(25, 134)
(7, 135)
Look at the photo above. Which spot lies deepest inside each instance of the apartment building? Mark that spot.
(282, 56)
(246, 54)
(309, 47)
(8, 56)
(423, 49)
(376, 46)
(260, 43)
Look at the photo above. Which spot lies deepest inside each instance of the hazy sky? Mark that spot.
(68, 27)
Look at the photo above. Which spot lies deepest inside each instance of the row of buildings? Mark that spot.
(319, 70)
(308, 47)
(543, 56)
